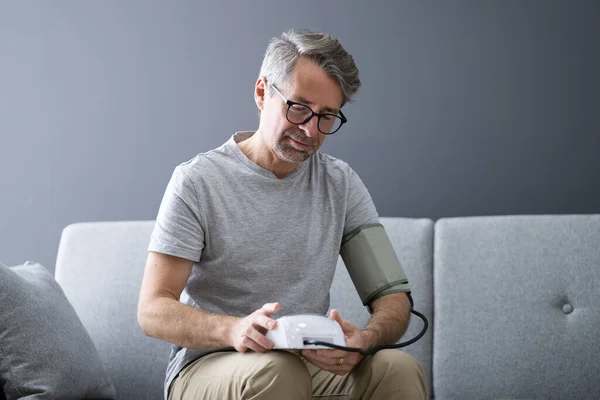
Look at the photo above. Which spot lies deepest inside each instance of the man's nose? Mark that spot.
(311, 127)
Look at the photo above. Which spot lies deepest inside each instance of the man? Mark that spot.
(251, 231)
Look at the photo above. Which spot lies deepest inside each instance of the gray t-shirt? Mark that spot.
(255, 238)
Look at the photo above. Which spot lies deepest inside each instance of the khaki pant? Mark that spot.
(389, 374)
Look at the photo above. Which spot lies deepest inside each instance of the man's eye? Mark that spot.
(299, 109)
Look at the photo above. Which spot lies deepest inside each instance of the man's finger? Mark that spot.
(326, 353)
(263, 321)
(259, 341)
(253, 345)
(270, 308)
(335, 315)
(346, 326)
(327, 366)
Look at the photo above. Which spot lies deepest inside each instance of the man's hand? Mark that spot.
(339, 362)
(249, 333)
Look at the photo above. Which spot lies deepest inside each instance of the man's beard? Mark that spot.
(293, 154)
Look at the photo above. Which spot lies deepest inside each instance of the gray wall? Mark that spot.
(467, 108)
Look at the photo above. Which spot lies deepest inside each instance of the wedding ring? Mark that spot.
(340, 361)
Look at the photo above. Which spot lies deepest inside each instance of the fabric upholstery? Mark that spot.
(517, 307)
(100, 266)
(412, 240)
(108, 258)
(45, 352)
(516, 303)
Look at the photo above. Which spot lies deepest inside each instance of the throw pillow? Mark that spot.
(45, 352)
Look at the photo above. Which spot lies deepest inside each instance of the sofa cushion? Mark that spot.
(517, 307)
(45, 352)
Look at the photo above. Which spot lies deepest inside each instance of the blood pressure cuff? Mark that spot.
(372, 263)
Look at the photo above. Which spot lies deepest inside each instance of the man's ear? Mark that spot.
(260, 92)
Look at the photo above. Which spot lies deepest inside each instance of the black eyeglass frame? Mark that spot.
(292, 103)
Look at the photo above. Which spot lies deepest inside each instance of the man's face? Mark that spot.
(310, 86)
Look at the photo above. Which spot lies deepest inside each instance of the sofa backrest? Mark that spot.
(517, 307)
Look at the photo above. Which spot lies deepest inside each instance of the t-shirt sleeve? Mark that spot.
(178, 228)
(361, 209)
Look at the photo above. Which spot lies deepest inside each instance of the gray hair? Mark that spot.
(283, 52)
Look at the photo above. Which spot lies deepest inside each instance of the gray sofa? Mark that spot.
(513, 303)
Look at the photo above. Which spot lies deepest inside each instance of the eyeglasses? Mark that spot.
(299, 114)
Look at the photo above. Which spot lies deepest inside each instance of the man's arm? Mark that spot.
(389, 321)
(161, 315)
